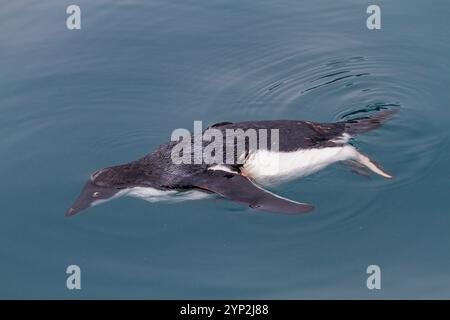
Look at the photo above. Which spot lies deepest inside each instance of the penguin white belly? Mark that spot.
(155, 195)
(266, 166)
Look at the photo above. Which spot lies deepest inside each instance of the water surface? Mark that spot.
(75, 101)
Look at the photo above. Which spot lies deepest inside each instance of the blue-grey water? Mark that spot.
(73, 101)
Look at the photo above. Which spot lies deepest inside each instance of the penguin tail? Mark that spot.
(364, 124)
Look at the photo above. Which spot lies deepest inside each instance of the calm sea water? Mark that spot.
(75, 101)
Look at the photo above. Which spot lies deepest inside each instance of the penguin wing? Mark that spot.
(242, 190)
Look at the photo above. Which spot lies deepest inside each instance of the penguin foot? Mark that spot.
(372, 165)
(357, 168)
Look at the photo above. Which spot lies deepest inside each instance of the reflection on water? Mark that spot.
(73, 102)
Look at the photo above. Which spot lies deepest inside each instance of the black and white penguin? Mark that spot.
(304, 148)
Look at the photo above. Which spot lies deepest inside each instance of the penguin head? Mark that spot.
(94, 192)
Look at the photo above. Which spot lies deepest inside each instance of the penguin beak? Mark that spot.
(71, 212)
(89, 196)
(75, 209)
(83, 201)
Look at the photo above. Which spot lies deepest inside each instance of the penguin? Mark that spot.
(304, 147)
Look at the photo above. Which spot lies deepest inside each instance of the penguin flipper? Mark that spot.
(244, 191)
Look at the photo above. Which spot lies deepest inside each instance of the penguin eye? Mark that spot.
(96, 194)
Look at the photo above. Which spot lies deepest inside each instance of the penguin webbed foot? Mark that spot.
(372, 165)
(357, 168)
